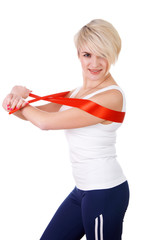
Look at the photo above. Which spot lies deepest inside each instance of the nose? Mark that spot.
(94, 61)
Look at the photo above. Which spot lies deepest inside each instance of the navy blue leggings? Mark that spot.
(97, 213)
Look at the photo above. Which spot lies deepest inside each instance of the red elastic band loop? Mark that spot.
(83, 104)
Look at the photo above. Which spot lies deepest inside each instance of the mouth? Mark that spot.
(95, 71)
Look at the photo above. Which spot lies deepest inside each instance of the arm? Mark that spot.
(74, 117)
(16, 99)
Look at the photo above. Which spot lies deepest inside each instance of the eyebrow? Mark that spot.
(86, 52)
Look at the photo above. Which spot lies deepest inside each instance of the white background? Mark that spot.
(37, 51)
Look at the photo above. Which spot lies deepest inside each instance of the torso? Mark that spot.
(92, 149)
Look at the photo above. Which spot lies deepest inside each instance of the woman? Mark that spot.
(97, 205)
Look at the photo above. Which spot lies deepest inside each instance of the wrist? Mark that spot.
(22, 109)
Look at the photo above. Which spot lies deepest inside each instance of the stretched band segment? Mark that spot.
(83, 104)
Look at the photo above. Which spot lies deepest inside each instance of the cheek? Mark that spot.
(105, 64)
(83, 64)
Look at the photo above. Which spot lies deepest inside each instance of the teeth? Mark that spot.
(95, 70)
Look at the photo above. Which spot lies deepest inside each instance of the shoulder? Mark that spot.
(112, 99)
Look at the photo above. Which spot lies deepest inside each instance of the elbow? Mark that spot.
(42, 126)
(46, 127)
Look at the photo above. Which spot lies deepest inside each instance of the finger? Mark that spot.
(9, 99)
(24, 104)
(8, 107)
(4, 105)
(7, 102)
(14, 103)
(20, 103)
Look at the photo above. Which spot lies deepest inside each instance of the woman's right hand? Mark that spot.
(21, 91)
(13, 101)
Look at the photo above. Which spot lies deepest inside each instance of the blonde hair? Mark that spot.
(101, 38)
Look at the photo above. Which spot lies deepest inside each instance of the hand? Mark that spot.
(21, 91)
(13, 101)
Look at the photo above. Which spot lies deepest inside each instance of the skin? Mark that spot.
(94, 68)
(48, 117)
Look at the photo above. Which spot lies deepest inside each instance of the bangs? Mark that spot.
(89, 40)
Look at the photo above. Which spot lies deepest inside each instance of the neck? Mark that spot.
(90, 84)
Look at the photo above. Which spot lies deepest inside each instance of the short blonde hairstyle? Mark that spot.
(101, 38)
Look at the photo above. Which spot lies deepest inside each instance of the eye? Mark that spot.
(87, 55)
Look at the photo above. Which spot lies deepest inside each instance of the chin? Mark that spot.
(96, 77)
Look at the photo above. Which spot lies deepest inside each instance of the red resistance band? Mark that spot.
(83, 104)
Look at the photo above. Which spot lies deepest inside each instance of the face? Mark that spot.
(94, 67)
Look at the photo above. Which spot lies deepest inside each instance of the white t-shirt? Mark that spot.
(93, 152)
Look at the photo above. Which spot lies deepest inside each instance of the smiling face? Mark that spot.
(94, 67)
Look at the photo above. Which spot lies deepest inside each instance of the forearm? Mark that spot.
(50, 107)
(19, 115)
(35, 116)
